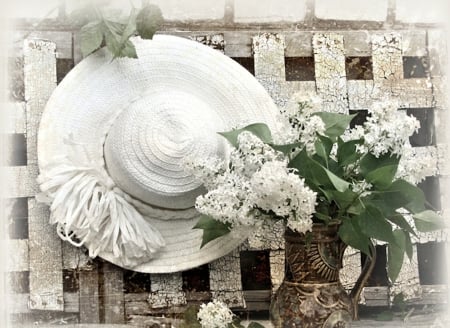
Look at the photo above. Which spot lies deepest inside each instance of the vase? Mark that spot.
(311, 294)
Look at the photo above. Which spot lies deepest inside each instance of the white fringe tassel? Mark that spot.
(89, 210)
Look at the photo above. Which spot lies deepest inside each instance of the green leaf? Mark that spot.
(316, 174)
(148, 21)
(429, 221)
(373, 225)
(379, 171)
(399, 220)
(323, 146)
(351, 234)
(340, 184)
(342, 199)
(346, 153)
(114, 36)
(335, 124)
(91, 37)
(212, 229)
(260, 130)
(396, 252)
(407, 195)
(408, 245)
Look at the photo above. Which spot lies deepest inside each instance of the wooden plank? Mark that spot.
(18, 303)
(113, 299)
(45, 260)
(89, 296)
(225, 280)
(413, 93)
(62, 39)
(331, 82)
(270, 67)
(351, 268)
(277, 267)
(166, 290)
(14, 115)
(17, 255)
(40, 81)
(46, 283)
(387, 60)
(20, 181)
(376, 296)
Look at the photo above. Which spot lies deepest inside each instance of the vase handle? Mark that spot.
(369, 264)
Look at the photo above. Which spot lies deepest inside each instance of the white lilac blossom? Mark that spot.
(255, 182)
(388, 129)
(215, 314)
(414, 165)
(277, 189)
(251, 154)
(297, 124)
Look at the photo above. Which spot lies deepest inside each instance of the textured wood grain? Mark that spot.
(62, 40)
(330, 73)
(225, 280)
(45, 255)
(89, 296)
(113, 298)
(166, 290)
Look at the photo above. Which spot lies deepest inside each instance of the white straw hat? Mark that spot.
(111, 144)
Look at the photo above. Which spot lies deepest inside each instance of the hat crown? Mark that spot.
(148, 142)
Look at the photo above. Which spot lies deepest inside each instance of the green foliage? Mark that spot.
(148, 21)
(375, 213)
(104, 28)
(335, 124)
(212, 229)
(260, 130)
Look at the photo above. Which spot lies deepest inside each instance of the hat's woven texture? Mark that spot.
(112, 140)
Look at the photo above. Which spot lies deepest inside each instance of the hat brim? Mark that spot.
(85, 104)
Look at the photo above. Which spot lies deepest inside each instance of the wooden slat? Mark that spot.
(20, 181)
(18, 303)
(113, 299)
(387, 58)
(330, 72)
(89, 297)
(166, 290)
(413, 93)
(277, 265)
(257, 300)
(40, 81)
(14, 115)
(299, 43)
(376, 296)
(17, 255)
(270, 67)
(62, 39)
(225, 280)
(351, 268)
(46, 283)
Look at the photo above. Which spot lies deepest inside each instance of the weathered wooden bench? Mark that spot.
(53, 282)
